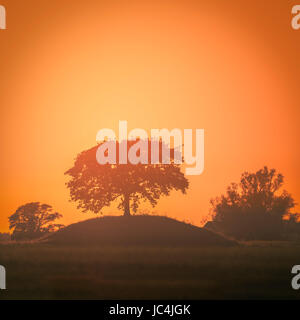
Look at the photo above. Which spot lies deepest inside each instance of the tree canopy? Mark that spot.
(254, 208)
(95, 186)
(33, 220)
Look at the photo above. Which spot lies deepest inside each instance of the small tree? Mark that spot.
(33, 220)
(94, 186)
(254, 208)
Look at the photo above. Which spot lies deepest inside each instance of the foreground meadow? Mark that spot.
(40, 271)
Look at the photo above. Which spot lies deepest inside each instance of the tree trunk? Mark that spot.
(126, 205)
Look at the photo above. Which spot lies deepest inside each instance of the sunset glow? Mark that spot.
(69, 69)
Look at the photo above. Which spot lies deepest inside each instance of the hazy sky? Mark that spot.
(70, 68)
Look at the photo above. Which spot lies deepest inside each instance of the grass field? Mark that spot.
(39, 271)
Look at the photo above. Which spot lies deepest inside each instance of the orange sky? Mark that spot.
(70, 68)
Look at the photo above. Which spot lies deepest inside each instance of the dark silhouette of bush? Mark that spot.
(253, 209)
(33, 220)
(292, 226)
(5, 237)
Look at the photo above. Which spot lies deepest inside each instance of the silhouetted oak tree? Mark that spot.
(94, 186)
(254, 208)
(33, 220)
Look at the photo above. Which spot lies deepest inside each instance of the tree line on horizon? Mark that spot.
(253, 209)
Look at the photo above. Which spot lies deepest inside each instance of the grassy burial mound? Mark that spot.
(140, 230)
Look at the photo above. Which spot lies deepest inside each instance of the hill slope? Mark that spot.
(140, 230)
